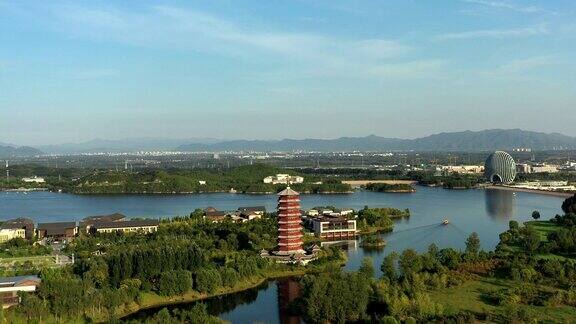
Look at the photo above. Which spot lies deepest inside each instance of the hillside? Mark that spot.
(11, 151)
(122, 145)
(469, 141)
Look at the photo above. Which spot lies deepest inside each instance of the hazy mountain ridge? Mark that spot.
(472, 141)
(20, 151)
(123, 145)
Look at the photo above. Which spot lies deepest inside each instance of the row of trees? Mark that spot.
(449, 181)
(390, 187)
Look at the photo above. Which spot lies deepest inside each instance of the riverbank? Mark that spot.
(24, 189)
(536, 191)
(184, 193)
(358, 183)
(152, 300)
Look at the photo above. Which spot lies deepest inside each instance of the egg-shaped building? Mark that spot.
(500, 168)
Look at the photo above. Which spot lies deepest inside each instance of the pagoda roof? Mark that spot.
(288, 192)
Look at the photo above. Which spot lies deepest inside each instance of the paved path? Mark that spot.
(536, 191)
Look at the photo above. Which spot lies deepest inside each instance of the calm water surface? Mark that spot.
(486, 212)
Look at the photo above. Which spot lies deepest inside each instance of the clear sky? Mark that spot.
(262, 69)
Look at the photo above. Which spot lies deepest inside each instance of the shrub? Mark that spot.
(174, 282)
(208, 280)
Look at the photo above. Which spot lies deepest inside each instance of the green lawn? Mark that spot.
(46, 260)
(469, 297)
(543, 227)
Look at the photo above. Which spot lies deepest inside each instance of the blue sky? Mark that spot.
(76, 70)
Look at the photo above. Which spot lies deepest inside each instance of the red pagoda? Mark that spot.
(289, 223)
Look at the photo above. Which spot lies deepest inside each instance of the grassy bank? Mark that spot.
(544, 228)
(472, 297)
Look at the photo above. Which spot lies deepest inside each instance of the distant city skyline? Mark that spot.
(73, 71)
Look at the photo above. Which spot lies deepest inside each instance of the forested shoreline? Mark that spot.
(245, 179)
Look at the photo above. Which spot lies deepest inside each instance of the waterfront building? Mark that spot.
(89, 221)
(9, 232)
(543, 167)
(546, 186)
(250, 213)
(213, 215)
(56, 231)
(523, 168)
(283, 179)
(289, 223)
(11, 286)
(500, 168)
(461, 169)
(140, 225)
(34, 179)
(334, 228)
(17, 224)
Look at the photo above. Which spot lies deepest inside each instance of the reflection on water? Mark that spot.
(256, 310)
(288, 291)
(500, 204)
(224, 304)
(216, 305)
(348, 245)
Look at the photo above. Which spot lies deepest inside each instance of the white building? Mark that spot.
(7, 234)
(523, 168)
(313, 212)
(250, 213)
(143, 225)
(462, 169)
(540, 168)
(334, 228)
(282, 178)
(11, 286)
(546, 185)
(346, 211)
(34, 179)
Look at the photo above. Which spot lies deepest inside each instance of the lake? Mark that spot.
(486, 212)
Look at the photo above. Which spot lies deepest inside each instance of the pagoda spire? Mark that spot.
(289, 223)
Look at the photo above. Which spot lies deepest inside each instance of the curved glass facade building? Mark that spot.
(500, 168)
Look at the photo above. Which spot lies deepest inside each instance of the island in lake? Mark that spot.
(391, 187)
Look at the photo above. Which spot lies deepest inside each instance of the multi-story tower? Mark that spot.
(289, 223)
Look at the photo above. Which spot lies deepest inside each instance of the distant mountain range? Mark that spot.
(8, 151)
(123, 145)
(466, 141)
